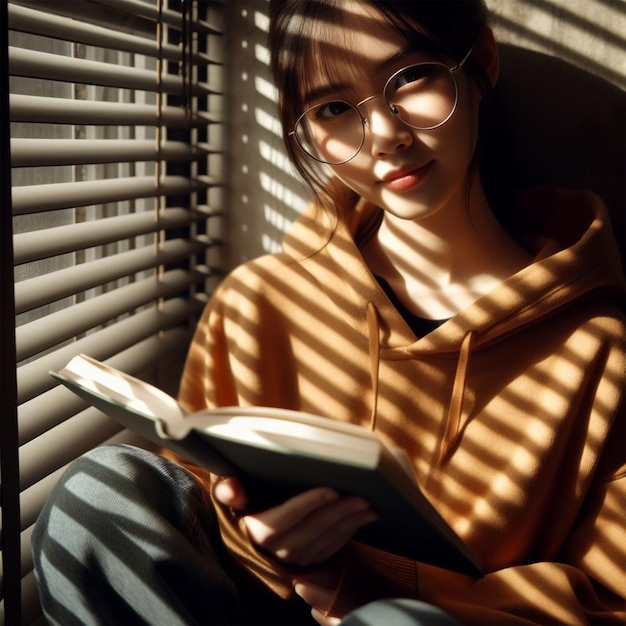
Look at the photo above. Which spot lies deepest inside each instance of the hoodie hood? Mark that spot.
(575, 256)
(569, 232)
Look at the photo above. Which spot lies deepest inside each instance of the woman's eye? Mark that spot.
(331, 110)
(410, 76)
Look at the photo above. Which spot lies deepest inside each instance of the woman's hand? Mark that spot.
(319, 593)
(307, 529)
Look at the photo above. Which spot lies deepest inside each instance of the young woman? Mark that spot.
(493, 356)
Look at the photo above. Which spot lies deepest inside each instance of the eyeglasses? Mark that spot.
(424, 96)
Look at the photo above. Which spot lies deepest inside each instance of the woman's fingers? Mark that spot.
(335, 538)
(323, 620)
(314, 595)
(306, 529)
(267, 525)
(319, 598)
(309, 528)
(230, 492)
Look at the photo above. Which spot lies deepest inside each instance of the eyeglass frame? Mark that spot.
(390, 107)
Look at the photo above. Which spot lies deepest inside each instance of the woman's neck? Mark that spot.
(441, 264)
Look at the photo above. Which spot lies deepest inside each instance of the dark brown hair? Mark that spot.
(448, 28)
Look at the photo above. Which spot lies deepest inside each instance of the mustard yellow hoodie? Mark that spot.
(511, 412)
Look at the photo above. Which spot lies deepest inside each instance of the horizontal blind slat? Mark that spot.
(33, 498)
(55, 328)
(53, 196)
(66, 111)
(46, 411)
(149, 11)
(131, 15)
(46, 66)
(168, 17)
(56, 405)
(59, 446)
(42, 152)
(41, 290)
(33, 378)
(35, 246)
(78, 236)
(96, 12)
(146, 10)
(36, 22)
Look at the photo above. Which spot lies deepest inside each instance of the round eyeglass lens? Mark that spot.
(423, 96)
(331, 132)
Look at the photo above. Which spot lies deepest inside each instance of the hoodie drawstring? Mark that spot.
(461, 403)
(374, 353)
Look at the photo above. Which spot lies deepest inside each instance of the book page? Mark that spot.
(305, 439)
(122, 388)
(288, 415)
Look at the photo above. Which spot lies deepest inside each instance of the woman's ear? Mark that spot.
(487, 54)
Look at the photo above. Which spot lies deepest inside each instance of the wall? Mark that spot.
(265, 197)
(588, 33)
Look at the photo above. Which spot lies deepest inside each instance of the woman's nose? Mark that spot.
(385, 133)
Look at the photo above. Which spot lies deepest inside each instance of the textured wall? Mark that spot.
(588, 33)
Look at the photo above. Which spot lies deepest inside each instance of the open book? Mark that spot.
(278, 453)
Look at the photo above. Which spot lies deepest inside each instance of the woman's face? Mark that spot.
(409, 173)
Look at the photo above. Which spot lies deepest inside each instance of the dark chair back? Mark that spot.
(557, 124)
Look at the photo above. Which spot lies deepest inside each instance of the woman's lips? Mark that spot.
(405, 180)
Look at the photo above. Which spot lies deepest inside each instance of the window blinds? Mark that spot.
(116, 201)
